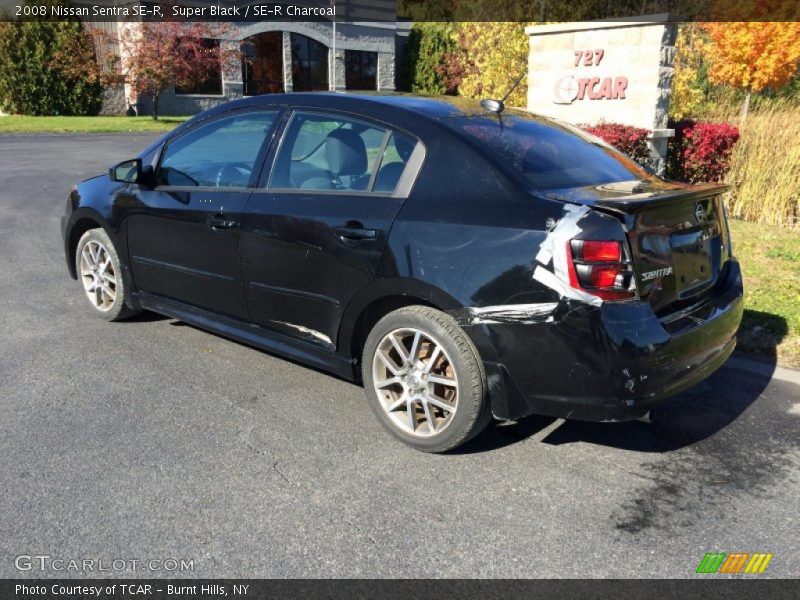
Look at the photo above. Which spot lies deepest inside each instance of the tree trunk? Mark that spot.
(745, 107)
(155, 107)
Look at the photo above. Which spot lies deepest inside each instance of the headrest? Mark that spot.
(346, 152)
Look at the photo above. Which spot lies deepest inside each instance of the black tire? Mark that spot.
(473, 411)
(118, 309)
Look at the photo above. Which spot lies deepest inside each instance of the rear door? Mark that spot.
(314, 232)
(183, 237)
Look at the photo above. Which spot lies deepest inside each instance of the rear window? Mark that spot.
(547, 154)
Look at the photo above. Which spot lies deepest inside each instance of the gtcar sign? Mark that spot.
(568, 88)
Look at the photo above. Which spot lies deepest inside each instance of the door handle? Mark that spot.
(355, 233)
(220, 222)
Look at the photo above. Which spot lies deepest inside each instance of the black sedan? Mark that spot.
(461, 260)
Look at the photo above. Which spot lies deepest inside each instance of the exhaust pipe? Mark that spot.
(647, 417)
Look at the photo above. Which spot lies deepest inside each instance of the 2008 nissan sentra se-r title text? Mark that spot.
(184, 12)
(463, 261)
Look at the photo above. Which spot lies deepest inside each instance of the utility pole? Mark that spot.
(333, 50)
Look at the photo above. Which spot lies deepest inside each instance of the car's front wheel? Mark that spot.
(425, 380)
(100, 276)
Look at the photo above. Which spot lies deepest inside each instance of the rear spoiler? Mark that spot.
(638, 202)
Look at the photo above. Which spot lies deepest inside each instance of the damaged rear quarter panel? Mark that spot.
(482, 239)
(474, 234)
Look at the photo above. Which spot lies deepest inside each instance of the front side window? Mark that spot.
(222, 153)
(322, 152)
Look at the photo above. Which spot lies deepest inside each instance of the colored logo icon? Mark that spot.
(565, 90)
(734, 562)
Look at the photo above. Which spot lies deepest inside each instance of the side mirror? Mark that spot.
(129, 171)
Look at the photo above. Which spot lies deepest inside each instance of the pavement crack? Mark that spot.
(279, 472)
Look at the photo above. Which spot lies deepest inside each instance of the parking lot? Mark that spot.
(150, 439)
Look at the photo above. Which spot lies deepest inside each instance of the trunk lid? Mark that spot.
(678, 236)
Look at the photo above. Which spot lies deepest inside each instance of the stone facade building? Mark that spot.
(283, 56)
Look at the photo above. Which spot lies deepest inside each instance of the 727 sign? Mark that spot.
(589, 58)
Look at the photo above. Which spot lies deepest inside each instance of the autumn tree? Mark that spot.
(497, 55)
(690, 78)
(752, 56)
(152, 57)
(156, 56)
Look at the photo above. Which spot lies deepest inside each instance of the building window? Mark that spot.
(211, 86)
(360, 70)
(309, 64)
(262, 64)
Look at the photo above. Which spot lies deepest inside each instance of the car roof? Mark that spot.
(437, 107)
(432, 107)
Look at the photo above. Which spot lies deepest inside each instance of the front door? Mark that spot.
(314, 236)
(184, 240)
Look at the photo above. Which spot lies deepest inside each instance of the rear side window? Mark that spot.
(546, 154)
(221, 153)
(329, 153)
(394, 162)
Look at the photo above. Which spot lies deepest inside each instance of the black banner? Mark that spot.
(357, 589)
(392, 11)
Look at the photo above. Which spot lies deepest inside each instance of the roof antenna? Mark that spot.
(497, 106)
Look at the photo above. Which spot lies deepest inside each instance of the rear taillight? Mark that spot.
(594, 251)
(602, 268)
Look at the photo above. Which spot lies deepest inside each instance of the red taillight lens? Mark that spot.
(605, 277)
(601, 251)
(590, 271)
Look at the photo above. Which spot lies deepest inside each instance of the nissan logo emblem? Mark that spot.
(699, 213)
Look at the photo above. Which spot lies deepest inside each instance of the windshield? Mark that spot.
(548, 154)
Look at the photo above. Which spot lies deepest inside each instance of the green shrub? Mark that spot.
(429, 56)
(31, 82)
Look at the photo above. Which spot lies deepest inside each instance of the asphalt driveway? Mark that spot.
(153, 440)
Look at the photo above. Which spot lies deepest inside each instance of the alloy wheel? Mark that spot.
(415, 382)
(98, 275)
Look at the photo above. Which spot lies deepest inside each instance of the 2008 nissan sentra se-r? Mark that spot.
(463, 263)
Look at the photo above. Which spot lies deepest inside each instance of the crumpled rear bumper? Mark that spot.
(612, 362)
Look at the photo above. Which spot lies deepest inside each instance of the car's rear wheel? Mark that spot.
(425, 380)
(100, 276)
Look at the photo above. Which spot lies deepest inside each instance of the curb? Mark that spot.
(760, 368)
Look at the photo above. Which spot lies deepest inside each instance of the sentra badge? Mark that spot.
(648, 275)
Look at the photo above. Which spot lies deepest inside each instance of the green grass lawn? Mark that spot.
(770, 259)
(104, 124)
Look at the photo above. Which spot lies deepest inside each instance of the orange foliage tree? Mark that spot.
(752, 55)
